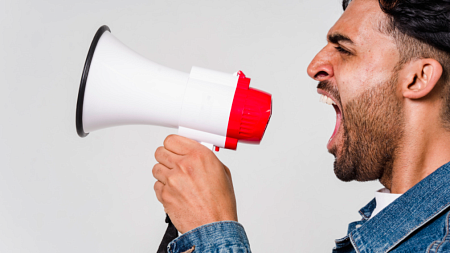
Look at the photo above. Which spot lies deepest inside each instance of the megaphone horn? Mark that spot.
(120, 87)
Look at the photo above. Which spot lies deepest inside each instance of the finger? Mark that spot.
(158, 187)
(181, 145)
(165, 157)
(161, 173)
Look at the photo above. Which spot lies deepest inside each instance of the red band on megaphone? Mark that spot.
(250, 114)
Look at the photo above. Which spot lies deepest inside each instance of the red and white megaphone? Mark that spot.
(121, 87)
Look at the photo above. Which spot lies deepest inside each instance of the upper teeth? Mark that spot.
(326, 100)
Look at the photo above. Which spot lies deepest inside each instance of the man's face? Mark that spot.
(356, 69)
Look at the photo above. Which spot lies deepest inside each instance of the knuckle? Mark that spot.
(169, 159)
(178, 185)
(190, 171)
(184, 164)
(196, 155)
(169, 181)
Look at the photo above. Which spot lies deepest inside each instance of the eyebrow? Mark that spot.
(335, 38)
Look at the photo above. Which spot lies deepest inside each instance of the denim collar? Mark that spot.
(409, 212)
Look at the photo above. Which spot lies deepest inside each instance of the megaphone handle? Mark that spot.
(204, 138)
(171, 234)
(208, 145)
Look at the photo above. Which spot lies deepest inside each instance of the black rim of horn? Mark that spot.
(87, 65)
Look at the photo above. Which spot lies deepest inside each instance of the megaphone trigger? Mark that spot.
(209, 145)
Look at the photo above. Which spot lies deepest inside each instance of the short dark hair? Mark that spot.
(421, 29)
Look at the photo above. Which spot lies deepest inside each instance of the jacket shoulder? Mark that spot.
(432, 237)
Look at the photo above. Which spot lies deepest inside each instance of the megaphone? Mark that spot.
(120, 87)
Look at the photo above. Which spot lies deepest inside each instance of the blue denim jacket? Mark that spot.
(418, 221)
(223, 237)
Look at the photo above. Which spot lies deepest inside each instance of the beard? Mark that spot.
(372, 129)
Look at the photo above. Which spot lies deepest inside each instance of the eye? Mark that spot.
(341, 50)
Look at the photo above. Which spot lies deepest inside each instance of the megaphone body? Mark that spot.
(121, 87)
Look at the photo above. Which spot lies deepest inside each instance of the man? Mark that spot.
(385, 70)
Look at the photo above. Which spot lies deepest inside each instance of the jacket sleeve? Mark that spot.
(222, 236)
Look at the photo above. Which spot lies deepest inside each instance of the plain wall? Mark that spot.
(63, 193)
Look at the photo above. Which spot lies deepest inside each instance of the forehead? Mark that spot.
(360, 21)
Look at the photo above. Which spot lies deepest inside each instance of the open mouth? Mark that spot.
(328, 99)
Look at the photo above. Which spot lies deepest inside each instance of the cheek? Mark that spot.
(379, 66)
(355, 78)
(352, 80)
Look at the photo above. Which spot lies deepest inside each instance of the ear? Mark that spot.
(419, 77)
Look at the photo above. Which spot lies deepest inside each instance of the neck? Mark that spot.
(423, 149)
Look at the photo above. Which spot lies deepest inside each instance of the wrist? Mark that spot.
(212, 237)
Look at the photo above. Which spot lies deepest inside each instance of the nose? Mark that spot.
(321, 68)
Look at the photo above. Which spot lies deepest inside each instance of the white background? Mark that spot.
(62, 193)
